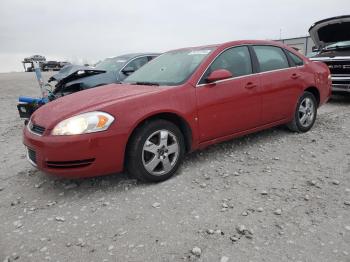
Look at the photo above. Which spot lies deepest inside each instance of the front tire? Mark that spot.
(305, 113)
(155, 151)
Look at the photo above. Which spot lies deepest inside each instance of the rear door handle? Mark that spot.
(295, 76)
(250, 85)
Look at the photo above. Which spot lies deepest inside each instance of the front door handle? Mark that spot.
(250, 85)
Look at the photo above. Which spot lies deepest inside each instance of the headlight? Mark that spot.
(85, 123)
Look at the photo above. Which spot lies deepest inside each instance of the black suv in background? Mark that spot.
(332, 39)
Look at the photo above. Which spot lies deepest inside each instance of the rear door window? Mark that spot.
(270, 58)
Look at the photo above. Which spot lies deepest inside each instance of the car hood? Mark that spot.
(332, 54)
(73, 72)
(88, 100)
(92, 80)
(331, 30)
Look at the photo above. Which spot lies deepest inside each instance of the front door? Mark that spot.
(231, 105)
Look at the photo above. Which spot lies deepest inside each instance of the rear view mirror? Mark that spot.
(218, 75)
(128, 70)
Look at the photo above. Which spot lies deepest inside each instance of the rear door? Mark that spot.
(232, 105)
(280, 83)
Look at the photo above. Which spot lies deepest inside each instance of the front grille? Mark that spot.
(70, 164)
(32, 155)
(340, 82)
(339, 67)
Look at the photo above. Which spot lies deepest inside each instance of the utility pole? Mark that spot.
(280, 33)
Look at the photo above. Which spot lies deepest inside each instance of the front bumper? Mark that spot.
(341, 84)
(78, 156)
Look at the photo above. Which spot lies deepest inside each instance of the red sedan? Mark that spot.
(181, 101)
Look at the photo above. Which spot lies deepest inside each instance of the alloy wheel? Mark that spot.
(306, 112)
(160, 152)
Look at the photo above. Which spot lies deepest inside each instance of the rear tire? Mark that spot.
(155, 151)
(305, 113)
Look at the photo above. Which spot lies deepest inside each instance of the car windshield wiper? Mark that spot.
(146, 83)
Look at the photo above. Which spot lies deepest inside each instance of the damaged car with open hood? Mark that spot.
(74, 78)
(111, 70)
(332, 40)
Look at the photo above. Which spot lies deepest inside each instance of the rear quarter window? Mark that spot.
(296, 59)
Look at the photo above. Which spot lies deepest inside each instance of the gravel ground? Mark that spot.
(270, 196)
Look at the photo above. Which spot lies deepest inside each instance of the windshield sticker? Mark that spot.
(121, 61)
(200, 52)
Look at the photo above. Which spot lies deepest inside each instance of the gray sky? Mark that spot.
(87, 31)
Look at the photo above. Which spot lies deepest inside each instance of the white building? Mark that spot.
(303, 44)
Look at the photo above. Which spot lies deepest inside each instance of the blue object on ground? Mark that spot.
(26, 99)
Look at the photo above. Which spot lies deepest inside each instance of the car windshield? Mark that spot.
(342, 44)
(111, 64)
(172, 68)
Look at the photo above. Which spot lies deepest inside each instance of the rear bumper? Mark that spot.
(78, 156)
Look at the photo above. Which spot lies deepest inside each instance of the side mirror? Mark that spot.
(128, 70)
(218, 75)
(315, 49)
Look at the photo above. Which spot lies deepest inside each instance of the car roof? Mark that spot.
(234, 43)
(133, 55)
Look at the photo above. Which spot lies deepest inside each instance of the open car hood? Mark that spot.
(331, 30)
(73, 72)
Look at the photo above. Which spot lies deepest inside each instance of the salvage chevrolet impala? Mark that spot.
(181, 101)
